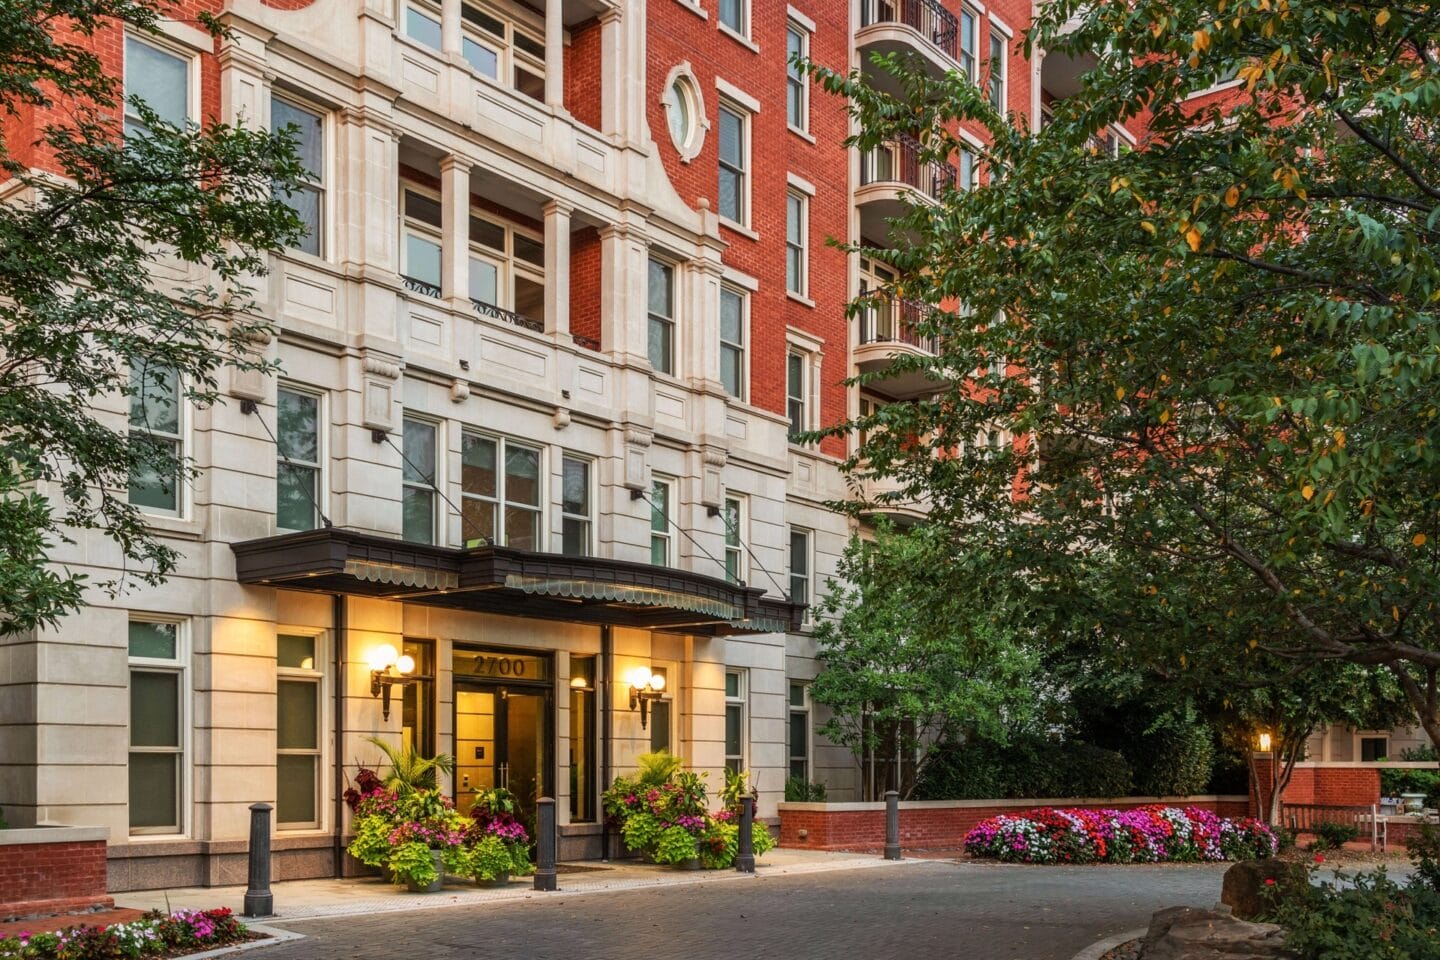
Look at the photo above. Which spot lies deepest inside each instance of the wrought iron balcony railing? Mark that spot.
(926, 17)
(509, 316)
(900, 161)
(888, 320)
(420, 286)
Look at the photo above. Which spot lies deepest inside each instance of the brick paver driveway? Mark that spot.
(911, 911)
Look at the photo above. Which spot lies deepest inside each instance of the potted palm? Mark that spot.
(403, 824)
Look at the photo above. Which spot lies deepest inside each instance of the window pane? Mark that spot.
(422, 208)
(729, 194)
(732, 684)
(298, 417)
(529, 297)
(575, 495)
(419, 444)
(484, 282)
(732, 130)
(481, 57)
(154, 709)
(659, 726)
(677, 111)
(297, 715)
(161, 79)
(659, 551)
(732, 312)
(478, 521)
(582, 741)
(522, 528)
(417, 709)
(660, 507)
(734, 715)
(308, 129)
(155, 790)
(418, 515)
(153, 485)
(422, 259)
(296, 494)
(659, 346)
(154, 397)
(797, 694)
(422, 28)
(575, 537)
(732, 14)
(483, 20)
(522, 475)
(794, 268)
(487, 233)
(794, 218)
(531, 251)
(732, 366)
(662, 282)
(478, 475)
(732, 523)
(295, 651)
(799, 552)
(153, 640)
(295, 789)
(799, 735)
(305, 201)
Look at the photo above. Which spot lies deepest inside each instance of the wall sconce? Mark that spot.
(645, 685)
(383, 660)
(1264, 741)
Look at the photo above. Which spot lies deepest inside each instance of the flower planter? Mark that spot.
(499, 881)
(692, 864)
(435, 885)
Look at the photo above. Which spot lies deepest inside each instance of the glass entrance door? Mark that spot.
(502, 739)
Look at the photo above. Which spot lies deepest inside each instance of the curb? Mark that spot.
(273, 935)
(1096, 950)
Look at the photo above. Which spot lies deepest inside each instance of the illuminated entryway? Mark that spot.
(504, 725)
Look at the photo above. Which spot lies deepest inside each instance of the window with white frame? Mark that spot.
(797, 384)
(159, 77)
(661, 330)
(734, 306)
(734, 163)
(507, 269)
(500, 492)
(736, 719)
(800, 566)
(157, 726)
(799, 731)
(299, 470)
(662, 547)
(969, 44)
(797, 90)
(735, 516)
(297, 731)
(797, 240)
(997, 69)
(420, 266)
(307, 199)
(1373, 749)
(880, 318)
(500, 47)
(157, 425)
(735, 15)
(417, 504)
(422, 23)
(575, 500)
(967, 169)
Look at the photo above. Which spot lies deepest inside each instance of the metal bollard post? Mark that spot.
(892, 825)
(545, 878)
(745, 856)
(259, 901)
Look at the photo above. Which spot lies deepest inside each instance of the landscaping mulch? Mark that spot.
(1129, 950)
(98, 918)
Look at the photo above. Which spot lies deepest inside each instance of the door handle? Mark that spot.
(505, 775)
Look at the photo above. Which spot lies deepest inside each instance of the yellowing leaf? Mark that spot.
(1395, 614)
(1148, 227)
(1382, 18)
(1192, 237)
(1418, 539)
(1340, 439)
(1119, 393)
(1232, 196)
(1277, 351)
(1164, 416)
(1307, 491)
(1201, 40)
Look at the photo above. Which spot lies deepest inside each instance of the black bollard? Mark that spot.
(745, 856)
(545, 878)
(892, 825)
(259, 901)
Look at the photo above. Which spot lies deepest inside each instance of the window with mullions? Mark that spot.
(298, 469)
(799, 731)
(422, 24)
(507, 269)
(297, 732)
(734, 542)
(797, 208)
(734, 161)
(157, 727)
(417, 709)
(732, 342)
(582, 739)
(156, 433)
(662, 718)
(735, 14)
(661, 540)
(735, 720)
(661, 335)
(158, 77)
(969, 43)
(307, 199)
(800, 566)
(420, 268)
(500, 492)
(797, 90)
(997, 69)
(796, 406)
(418, 481)
(967, 170)
(575, 522)
(498, 47)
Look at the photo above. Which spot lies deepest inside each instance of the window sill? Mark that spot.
(741, 229)
(739, 38)
(173, 527)
(694, 8)
(800, 298)
(805, 135)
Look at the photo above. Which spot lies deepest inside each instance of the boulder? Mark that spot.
(1187, 933)
(1251, 887)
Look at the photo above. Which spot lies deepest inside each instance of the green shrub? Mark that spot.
(800, 790)
(1174, 760)
(1332, 835)
(1365, 917)
(1424, 847)
(641, 831)
(653, 769)
(1025, 768)
(489, 858)
(676, 845)
(413, 861)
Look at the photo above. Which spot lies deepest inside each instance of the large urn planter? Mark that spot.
(499, 880)
(434, 886)
(692, 864)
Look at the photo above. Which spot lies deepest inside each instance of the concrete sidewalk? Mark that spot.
(313, 899)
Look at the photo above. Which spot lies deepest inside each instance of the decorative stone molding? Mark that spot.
(637, 463)
(689, 88)
(381, 368)
(561, 418)
(381, 376)
(712, 486)
(638, 437)
(459, 390)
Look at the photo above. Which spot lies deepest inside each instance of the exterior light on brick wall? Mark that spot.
(1264, 741)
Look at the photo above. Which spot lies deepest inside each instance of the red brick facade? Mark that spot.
(1331, 786)
(42, 879)
(939, 825)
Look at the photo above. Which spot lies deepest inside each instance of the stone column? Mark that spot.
(557, 267)
(624, 273)
(450, 26)
(455, 230)
(612, 71)
(554, 54)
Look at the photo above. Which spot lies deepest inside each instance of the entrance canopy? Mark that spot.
(517, 583)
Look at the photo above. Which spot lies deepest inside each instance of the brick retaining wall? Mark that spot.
(942, 824)
(51, 870)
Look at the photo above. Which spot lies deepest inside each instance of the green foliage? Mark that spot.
(760, 839)
(641, 831)
(1423, 845)
(1174, 760)
(1026, 767)
(78, 308)
(412, 862)
(718, 845)
(1368, 917)
(410, 772)
(800, 790)
(676, 845)
(737, 786)
(653, 769)
(488, 858)
(1231, 443)
(1394, 782)
(1331, 835)
(371, 845)
(912, 653)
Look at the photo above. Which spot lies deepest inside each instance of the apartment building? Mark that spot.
(526, 490)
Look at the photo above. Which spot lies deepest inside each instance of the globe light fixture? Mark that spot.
(388, 667)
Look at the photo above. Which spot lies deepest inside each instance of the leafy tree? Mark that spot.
(91, 219)
(910, 660)
(1223, 345)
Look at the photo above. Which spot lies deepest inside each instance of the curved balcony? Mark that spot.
(888, 329)
(894, 177)
(882, 497)
(923, 27)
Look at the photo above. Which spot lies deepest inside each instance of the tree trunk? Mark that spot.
(1424, 700)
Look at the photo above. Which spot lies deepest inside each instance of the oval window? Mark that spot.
(677, 110)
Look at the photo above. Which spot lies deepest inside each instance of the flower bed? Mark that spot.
(153, 935)
(1154, 834)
